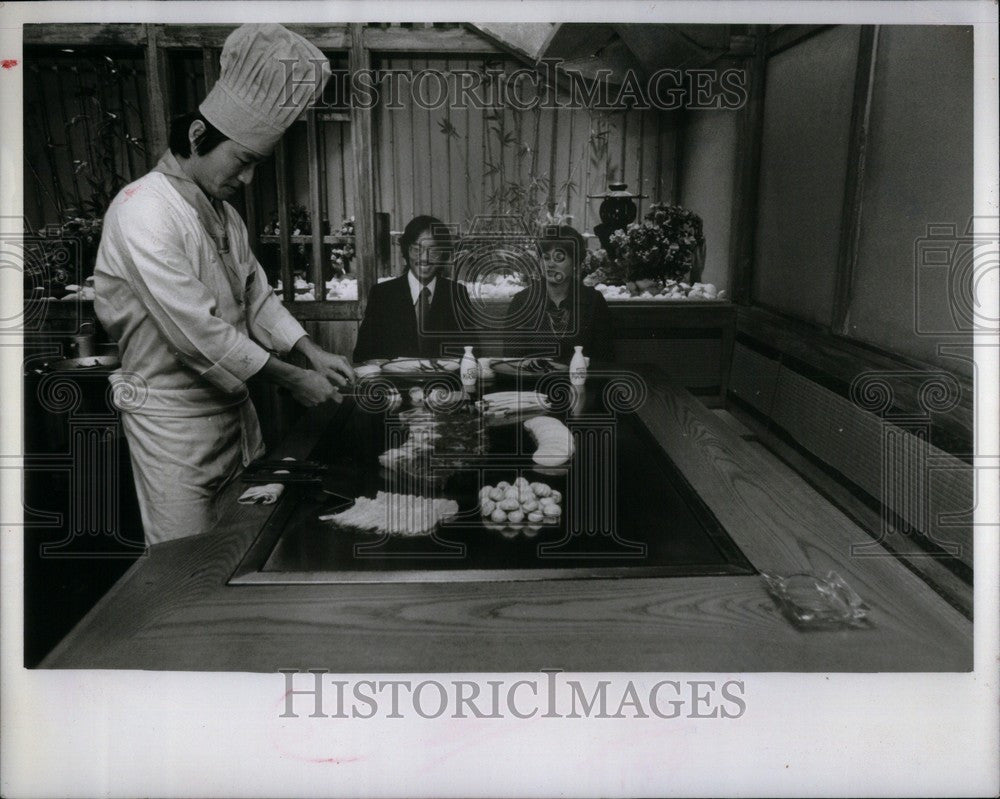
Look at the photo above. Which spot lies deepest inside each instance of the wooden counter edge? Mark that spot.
(300, 443)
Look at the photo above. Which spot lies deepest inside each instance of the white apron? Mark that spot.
(188, 318)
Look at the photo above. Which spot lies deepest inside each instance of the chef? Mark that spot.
(180, 290)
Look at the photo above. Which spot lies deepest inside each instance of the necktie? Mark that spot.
(423, 309)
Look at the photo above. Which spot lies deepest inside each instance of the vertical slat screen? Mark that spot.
(315, 205)
(62, 91)
(453, 163)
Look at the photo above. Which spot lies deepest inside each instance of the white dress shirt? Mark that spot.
(416, 286)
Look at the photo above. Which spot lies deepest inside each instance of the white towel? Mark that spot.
(264, 494)
(261, 495)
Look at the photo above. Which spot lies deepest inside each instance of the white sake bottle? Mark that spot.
(578, 367)
(468, 369)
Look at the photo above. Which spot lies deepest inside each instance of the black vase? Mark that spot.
(618, 210)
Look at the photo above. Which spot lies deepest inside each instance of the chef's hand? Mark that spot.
(334, 368)
(310, 388)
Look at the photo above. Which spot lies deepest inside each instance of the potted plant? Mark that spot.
(665, 248)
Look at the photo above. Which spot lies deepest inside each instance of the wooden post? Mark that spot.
(359, 58)
(284, 232)
(157, 86)
(210, 66)
(383, 244)
(748, 144)
(315, 205)
(850, 228)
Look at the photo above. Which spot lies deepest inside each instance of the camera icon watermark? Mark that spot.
(954, 270)
(42, 262)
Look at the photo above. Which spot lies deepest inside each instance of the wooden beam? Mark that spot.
(362, 145)
(210, 66)
(82, 35)
(548, 41)
(458, 41)
(383, 244)
(741, 46)
(790, 35)
(157, 86)
(326, 37)
(749, 134)
(501, 44)
(850, 217)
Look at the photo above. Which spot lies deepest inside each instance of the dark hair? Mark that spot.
(419, 225)
(180, 144)
(565, 236)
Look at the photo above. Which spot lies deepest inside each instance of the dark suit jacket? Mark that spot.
(590, 326)
(389, 329)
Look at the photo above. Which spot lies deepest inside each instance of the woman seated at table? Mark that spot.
(415, 314)
(556, 314)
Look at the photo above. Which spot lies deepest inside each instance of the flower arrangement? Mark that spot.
(663, 246)
(299, 221)
(342, 254)
(600, 268)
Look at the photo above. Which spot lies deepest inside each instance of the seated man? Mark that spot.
(561, 313)
(414, 314)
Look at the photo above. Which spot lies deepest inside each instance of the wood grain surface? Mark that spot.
(173, 609)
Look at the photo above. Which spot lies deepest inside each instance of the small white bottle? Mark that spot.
(578, 367)
(468, 369)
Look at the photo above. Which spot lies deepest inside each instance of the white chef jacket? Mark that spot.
(188, 346)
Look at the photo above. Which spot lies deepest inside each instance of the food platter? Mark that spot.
(528, 367)
(507, 407)
(408, 370)
(411, 367)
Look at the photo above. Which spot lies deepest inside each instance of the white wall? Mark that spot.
(707, 162)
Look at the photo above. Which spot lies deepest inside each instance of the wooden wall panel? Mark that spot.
(807, 115)
(830, 426)
(918, 482)
(692, 362)
(753, 378)
(919, 172)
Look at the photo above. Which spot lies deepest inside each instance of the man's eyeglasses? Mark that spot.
(433, 255)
